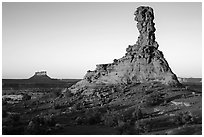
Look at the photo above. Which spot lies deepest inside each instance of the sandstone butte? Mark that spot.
(142, 63)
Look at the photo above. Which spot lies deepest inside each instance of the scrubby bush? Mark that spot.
(124, 127)
(184, 118)
(40, 125)
(4, 102)
(148, 92)
(68, 94)
(13, 130)
(154, 99)
(130, 124)
(142, 126)
(138, 114)
(56, 93)
(80, 120)
(93, 116)
(14, 117)
(4, 113)
(59, 105)
(111, 118)
(77, 106)
(13, 125)
(26, 97)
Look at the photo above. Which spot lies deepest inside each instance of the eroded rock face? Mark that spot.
(143, 62)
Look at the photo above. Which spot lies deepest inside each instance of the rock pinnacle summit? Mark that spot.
(142, 63)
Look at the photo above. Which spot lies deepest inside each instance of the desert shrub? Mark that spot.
(184, 118)
(26, 97)
(138, 114)
(56, 93)
(13, 125)
(14, 117)
(130, 125)
(4, 113)
(40, 125)
(4, 102)
(13, 130)
(49, 121)
(154, 99)
(80, 120)
(148, 92)
(93, 116)
(123, 127)
(77, 106)
(111, 118)
(68, 94)
(142, 126)
(58, 105)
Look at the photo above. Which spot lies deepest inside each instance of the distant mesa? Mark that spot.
(40, 76)
(190, 80)
(41, 73)
(182, 80)
(40, 79)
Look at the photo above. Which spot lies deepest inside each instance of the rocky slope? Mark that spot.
(143, 62)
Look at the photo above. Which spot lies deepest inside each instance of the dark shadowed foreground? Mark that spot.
(149, 108)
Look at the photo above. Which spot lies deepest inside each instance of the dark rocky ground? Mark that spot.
(147, 109)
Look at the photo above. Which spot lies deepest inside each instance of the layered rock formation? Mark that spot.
(143, 62)
(40, 77)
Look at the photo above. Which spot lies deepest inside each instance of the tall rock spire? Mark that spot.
(143, 62)
(144, 17)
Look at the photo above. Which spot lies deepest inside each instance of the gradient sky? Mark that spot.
(67, 39)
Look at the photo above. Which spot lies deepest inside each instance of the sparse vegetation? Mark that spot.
(40, 125)
(183, 118)
(93, 116)
(111, 118)
(112, 110)
(154, 99)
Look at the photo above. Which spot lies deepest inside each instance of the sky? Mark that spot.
(68, 39)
